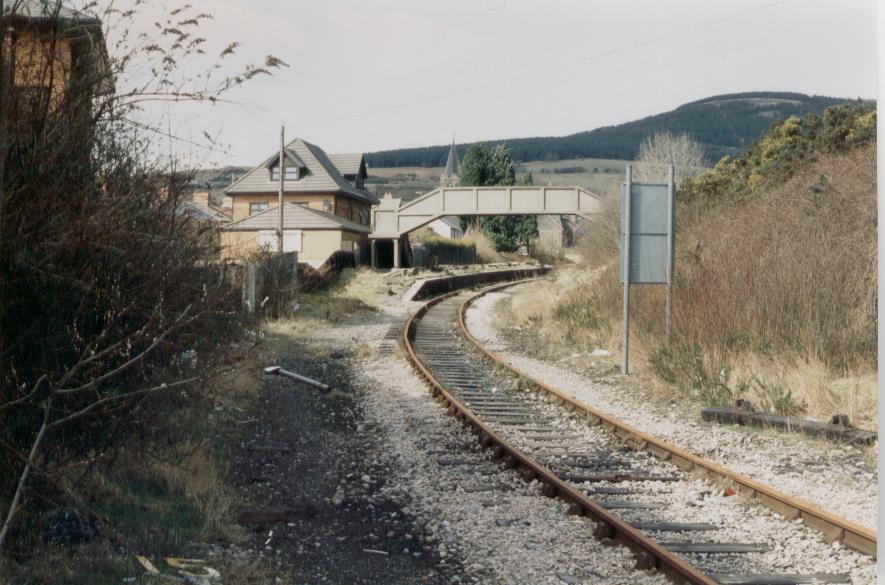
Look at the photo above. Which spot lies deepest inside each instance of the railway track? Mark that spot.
(628, 483)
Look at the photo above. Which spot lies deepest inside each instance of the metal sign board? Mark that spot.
(651, 247)
(648, 224)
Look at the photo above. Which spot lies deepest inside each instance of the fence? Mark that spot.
(313, 279)
(434, 252)
(271, 282)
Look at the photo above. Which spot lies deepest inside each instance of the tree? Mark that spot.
(500, 169)
(475, 167)
(662, 149)
(482, 168)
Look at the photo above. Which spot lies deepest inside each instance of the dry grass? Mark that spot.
(774, 298)
(485, 250)
(202, 479)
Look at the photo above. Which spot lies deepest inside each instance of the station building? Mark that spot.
(326, 207)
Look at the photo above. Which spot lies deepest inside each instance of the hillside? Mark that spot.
(724, 124)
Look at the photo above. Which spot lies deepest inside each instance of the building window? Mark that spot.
(257, 208)
(327, 205)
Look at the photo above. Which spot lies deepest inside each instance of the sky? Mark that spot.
(382, 74)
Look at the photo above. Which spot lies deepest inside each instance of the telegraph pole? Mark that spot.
(282, 167)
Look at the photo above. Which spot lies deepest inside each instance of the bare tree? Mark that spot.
(662, 149)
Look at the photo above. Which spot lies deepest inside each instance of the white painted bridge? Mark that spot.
(391, 219)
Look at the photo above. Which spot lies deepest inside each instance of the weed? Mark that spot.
(337, 394)
(711, 389)
(772, 397)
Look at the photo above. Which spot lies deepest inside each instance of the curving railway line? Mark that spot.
(628, 483)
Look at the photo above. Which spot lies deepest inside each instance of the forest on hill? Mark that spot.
(723, 124)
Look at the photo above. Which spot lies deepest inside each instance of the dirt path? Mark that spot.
(311, 468)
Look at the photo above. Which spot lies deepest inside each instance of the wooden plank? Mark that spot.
(776, 579)
(674, 526)
(714, 547)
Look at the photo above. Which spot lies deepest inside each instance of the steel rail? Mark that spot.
(649, 554)
(833, 528)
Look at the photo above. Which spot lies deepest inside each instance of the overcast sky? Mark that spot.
(381, 74)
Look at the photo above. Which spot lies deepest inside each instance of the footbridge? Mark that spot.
(392, 220)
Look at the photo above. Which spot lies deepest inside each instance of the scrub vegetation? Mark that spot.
(775, 287)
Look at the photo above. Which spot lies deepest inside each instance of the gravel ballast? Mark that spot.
(394, 475)
(835, 477)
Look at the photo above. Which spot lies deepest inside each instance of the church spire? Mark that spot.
(452, 173)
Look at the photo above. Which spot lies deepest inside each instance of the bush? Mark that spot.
(776, 155)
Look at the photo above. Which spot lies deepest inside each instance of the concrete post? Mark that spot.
(250, 277)
(396, 253)
(374, 253)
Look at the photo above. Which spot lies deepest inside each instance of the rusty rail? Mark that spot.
(649, 554)
(831, 526)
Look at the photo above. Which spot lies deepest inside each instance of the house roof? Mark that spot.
(42, 10)
(322, 176)
(204, 212)
(347, 164)
(296, 217)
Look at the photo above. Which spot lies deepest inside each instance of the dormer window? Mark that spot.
(295, 168)
(292, 173)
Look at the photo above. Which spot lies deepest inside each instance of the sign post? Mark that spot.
(648, 226)
(671, 203)
(625, 267)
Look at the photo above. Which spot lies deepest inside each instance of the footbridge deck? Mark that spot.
(392, 219)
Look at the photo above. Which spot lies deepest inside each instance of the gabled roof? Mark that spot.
(453, 165)
(348, 164)
(296, 217)
(203, 212)
(322, 176)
